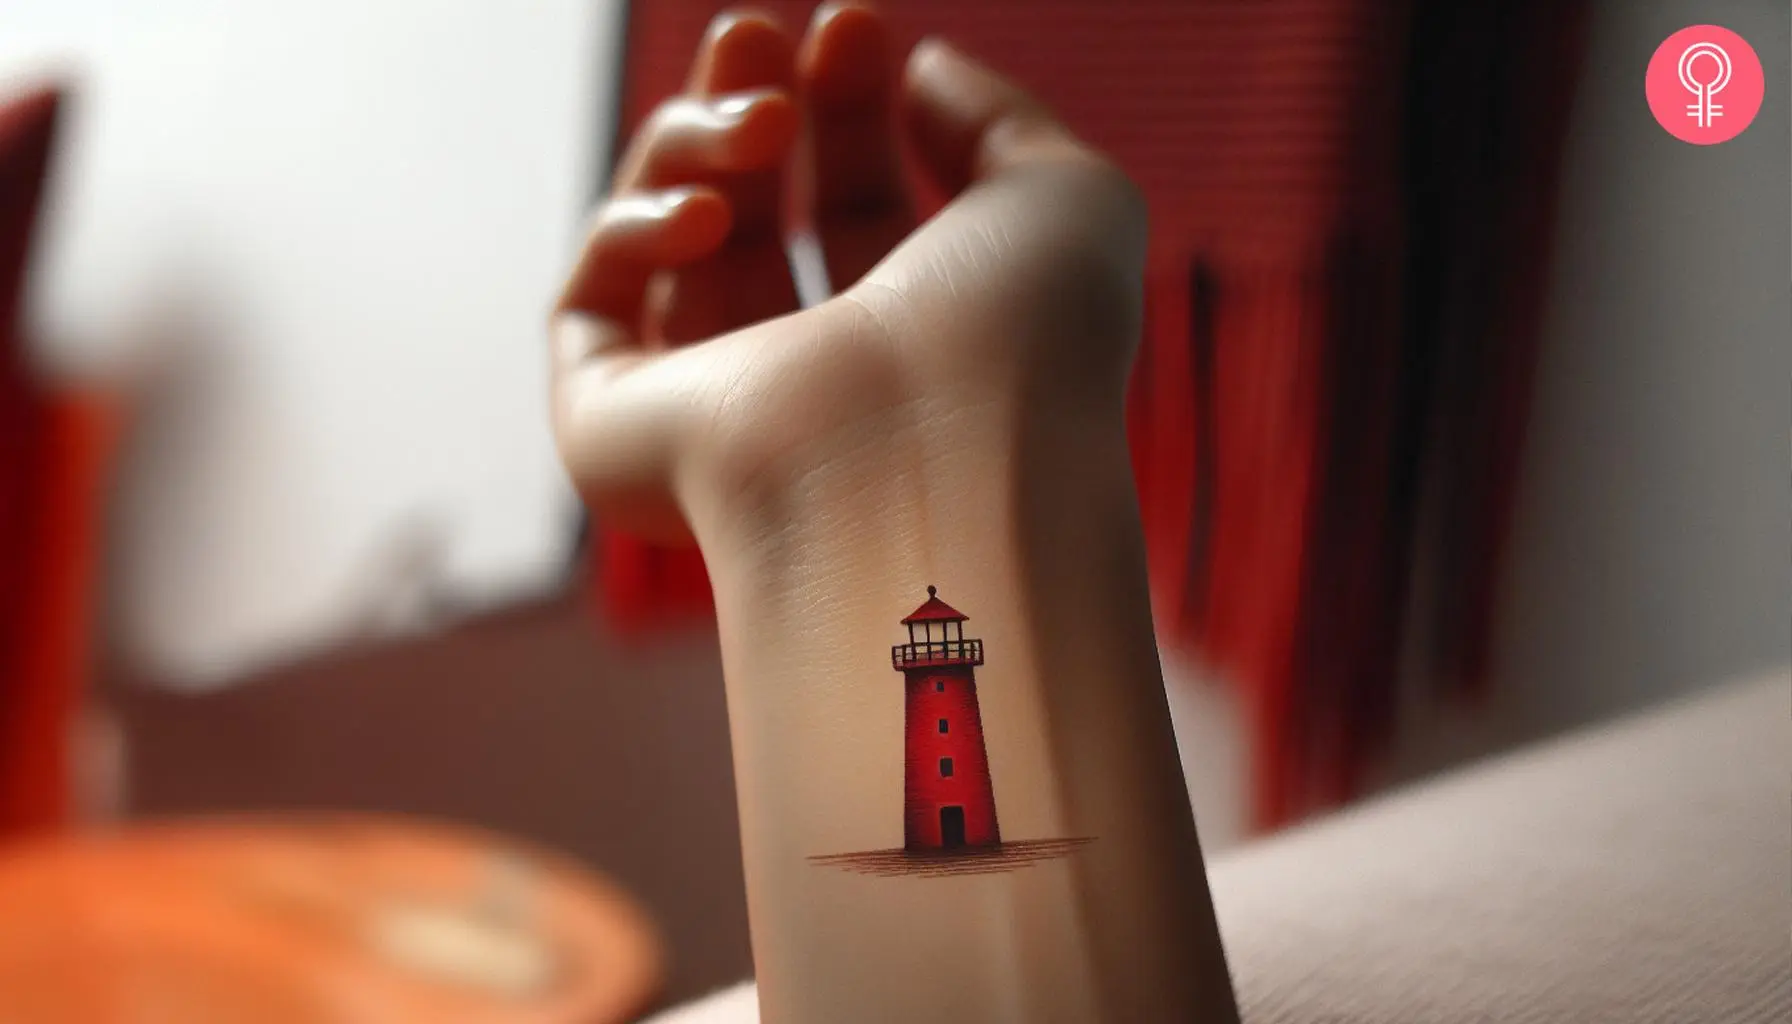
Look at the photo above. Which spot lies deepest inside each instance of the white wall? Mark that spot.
(338, 224)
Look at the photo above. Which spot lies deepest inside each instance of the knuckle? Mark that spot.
(658, 131)
(662, 117)
(1111, 192)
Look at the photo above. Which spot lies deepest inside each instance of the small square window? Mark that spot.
(945, 767)
(939, 686)
(945, 727)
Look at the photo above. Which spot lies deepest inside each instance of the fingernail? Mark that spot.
(732, 108)
(720, 25)
(676, 196)
(933, 49)
(656, 204)
(832, 9)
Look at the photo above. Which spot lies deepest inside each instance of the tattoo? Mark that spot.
(949, 822)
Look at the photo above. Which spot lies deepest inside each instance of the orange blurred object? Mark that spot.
(332, 919)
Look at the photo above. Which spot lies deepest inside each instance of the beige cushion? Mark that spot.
(1639, 872)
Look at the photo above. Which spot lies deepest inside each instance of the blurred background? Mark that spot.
(1462, 420)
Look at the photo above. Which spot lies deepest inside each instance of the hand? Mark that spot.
(689, 391)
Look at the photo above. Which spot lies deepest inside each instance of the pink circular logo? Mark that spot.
(1704, 84)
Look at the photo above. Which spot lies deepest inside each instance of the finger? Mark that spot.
(741, 49)
(848, 83)
(617, 423)
(632, 238)
(852, 173)
(748, 279)
(618, 420)
(689, 140)
(746, 51)
(1062, 244)
(969, 123)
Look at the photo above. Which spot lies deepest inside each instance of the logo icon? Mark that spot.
(1688, 74)
(1704, 110)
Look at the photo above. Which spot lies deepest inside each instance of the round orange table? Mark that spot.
(322, 919)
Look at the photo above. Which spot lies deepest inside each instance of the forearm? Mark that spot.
(1031, 530)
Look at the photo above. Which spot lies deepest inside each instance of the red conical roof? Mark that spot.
(935, 610)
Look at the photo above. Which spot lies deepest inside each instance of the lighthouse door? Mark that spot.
(952, 826)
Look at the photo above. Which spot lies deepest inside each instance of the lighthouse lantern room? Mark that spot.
(948, 800)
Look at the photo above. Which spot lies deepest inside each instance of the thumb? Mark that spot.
(967, 123)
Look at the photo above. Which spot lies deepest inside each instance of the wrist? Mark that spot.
(914, 477)
(1030, 530)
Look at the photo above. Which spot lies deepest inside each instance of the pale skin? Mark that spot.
(952, 415)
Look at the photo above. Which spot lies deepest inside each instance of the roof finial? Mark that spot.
(932, 590)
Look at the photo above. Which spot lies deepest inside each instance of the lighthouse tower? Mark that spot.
(948, 800)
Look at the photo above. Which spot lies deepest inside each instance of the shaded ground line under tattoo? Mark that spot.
(969, 860)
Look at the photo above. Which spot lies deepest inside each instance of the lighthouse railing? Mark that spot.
(926, 654)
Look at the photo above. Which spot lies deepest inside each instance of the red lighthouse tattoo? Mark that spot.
(948, 799)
